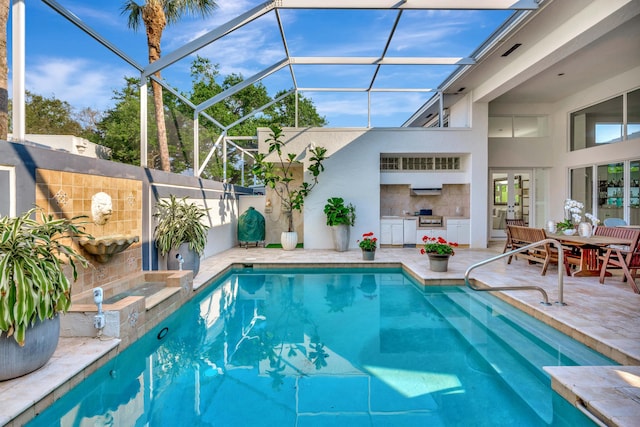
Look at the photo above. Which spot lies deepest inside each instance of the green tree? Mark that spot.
(120, 126)
(285, 112)
(49, 116)
(156, 15)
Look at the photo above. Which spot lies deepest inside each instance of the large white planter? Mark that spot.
(41, 341)
(289, 240)
(341, 237)
(191, 259)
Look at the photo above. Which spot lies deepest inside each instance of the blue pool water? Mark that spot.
(332, 347)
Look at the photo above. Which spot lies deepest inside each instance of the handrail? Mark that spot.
(515, 288)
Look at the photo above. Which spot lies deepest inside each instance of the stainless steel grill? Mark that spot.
(430, 221)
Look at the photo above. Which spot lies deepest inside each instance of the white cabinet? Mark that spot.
(391, 231)
(458, 231)
(410, 228)
(431, 232)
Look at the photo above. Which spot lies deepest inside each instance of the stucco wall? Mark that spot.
(352, 171)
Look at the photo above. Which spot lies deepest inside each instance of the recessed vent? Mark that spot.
(511, 49)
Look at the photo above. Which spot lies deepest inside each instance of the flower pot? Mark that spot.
(289, 240)
(191, 259)
(438, 262)
(40, 343)
(368, 255)
(341, 234)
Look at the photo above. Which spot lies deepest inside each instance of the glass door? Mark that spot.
(510, 199)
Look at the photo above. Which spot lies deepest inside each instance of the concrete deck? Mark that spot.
(605, 317)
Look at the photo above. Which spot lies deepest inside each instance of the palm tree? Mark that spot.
(156, 15)
(4, 72)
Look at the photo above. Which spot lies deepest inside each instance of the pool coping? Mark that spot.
(76, 358)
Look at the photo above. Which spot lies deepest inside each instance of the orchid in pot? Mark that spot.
(573, 219)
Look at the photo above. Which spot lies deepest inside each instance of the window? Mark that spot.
(421, 163)
(606, 189)
(518, 126)
(604, 123)
(633, 114)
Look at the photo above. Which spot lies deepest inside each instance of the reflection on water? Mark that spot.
(293, 349)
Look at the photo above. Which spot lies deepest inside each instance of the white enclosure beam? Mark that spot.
(144, 137)
(18, 49)
(408, 4)
(362, 89)
(257, 110)
(237, 88)
(208, 38)
(91, 32)
(334, 60)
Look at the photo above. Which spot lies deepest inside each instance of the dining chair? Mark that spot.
(627, 260)
(519, 222)
(614, 222)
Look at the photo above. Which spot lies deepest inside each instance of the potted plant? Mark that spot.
(340, 218)
(280, 178)
(180, 233)
(368, 245)
(33, 287)
(438, 250)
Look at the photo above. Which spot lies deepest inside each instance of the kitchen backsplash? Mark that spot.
(394, 199)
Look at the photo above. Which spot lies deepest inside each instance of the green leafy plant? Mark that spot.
(369, 242)
(437, 245)
(281, 177)
(180, 222)
(33, 254)
(566, 224)
(338, 213)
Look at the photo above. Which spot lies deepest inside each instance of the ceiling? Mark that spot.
(615, 52)
(609, 49)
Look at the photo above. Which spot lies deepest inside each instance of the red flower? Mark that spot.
(437, 245)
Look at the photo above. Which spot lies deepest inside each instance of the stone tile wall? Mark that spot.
(68, 194)
(396, 198)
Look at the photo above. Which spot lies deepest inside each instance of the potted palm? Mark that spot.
(180, 233)
(34, 288)
(340, 218)
(281, 179)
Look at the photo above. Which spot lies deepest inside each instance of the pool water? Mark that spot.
(332, 347)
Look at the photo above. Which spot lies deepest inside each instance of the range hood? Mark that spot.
(426, 191)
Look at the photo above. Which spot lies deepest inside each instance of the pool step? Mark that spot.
(486, 334)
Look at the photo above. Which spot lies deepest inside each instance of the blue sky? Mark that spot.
(64, 62)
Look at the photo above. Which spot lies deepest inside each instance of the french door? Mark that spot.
(509, 199)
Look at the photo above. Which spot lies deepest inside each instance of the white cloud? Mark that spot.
(79, 82)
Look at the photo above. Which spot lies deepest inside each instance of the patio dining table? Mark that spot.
(588, 247)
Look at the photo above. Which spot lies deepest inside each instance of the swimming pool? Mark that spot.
(342, 347)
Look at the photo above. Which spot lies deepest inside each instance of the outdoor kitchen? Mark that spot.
(409, 213)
